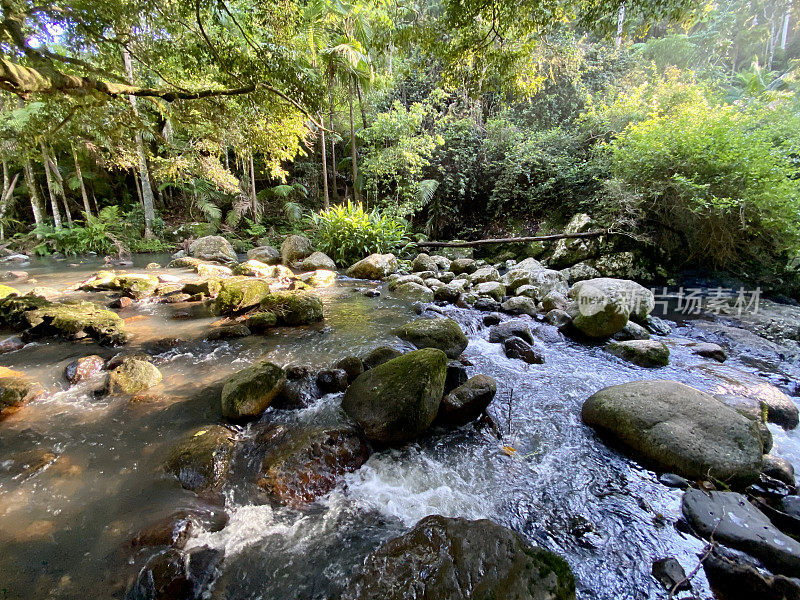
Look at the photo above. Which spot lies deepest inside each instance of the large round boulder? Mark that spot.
(468, 401)
(455, 559)
(638, 300)
(678, 429)
(238, 294)
(444, 334)
(213, 247)
(375, 266)
(294, 249)
(398, 400)
(645, 353)
(133, 376)
(248, 393)
(424, 262)
(265, 254)
(318, 260)
(293, 308)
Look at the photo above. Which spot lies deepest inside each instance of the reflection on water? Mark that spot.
(80, 474)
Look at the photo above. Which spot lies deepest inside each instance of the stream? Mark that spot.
(61, 528)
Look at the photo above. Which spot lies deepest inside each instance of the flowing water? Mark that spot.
(61, 528)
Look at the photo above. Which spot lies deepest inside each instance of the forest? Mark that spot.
(132, 126)
(400, 299)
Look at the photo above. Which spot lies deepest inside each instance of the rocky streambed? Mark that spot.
(271, 427)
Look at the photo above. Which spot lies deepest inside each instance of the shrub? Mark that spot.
(347, 233)
(715, 185)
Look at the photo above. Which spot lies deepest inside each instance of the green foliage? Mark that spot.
(348, 233)
(100, 235)
(714, 183)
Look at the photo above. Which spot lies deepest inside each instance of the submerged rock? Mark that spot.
(645, 353)
(133, 376)
(468, 401)
(84, 368)
(709, 350)
(294, 249)
(248, 393)
(201, 459)
(239, 294)
(303, 463)
(228, 332)
(456, 559)
(398, 400)
(517, 348)
(375, 266)
(261, 321)
(679, 429)
(214, 248)
(174, 574)
(293, 308)
(733, 521)
(444, 334)
(265, 254)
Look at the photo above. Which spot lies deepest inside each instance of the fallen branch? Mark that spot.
(516, 240)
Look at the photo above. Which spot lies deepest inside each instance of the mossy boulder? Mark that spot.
(254, 268)
(7, 290)
(320, 278)
(136, 286)
(637, 299)
(303, 463)
(213, 248)
(294, 249)
(317, 261)
(16, 390)
(185, 262)
(444, 558)
(294, 308)
(597, 314)
(261, 321)
(36, 317)
(678, 429)
(424, 262)
(645, 353)
(444, 334)
(207, 287)
(397, 401)
(133, 376)
(375, 266)
(238, 294)
(463, 265)
(249, 392)
(378, 356)
(201, 459)
(413, 291)
(265, 254)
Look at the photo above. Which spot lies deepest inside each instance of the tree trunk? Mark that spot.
(36, 201)
(324, 163)
(253, 197)
(620, 24)
(61, 189)
(87, 209)
(361, 106)
(48, 178)
(148, 201)
(5, 198)
(354, 159)
(138, 188)
(334, 176)
(785, 30)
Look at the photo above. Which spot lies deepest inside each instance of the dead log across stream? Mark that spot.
(515, 240)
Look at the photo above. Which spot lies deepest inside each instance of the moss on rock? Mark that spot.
(294, 308)
(249, 392)
(239, 294)
(201, 460)
(444, 334)
(133, 376)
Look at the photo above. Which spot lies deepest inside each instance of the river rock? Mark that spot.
(133, 376)
(201, 459)
(709, 350)
(229, 332)
(463, 265)
(214, 248)
(645, 353)
(517, 348)
(397, 401)
(456, 559)
(753, 410)
(581, 272)
(778, 468)
(294, 308)
(631, 331)
(260, 321)
(84, 368)
(318, 260)
(446, 276)
(638, 299)
(484, 275)
(375, 266)
(332, 380)
(214, 270)
(568, 252)
(447, 293)
(520, 328)
(733, 521)
(519, 305)
(423, 262)
(172, 574)
(731, 577)
(728, 380)
(599, 315)
(677, 429)
(251, 268)
(303, 463)
(444, 334)
(558, 318)
(238, 294)
(300, 389)
(554, 300)
(414, 291)
(321, 278)
(352, 365)
(294, 249)
(490, 289)
(378, 356)
(11, 344)
(248, 393)
(468, 401)
(397, 280)
(16, 390)
(670, 574)
(516, 278)
(265, 254)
